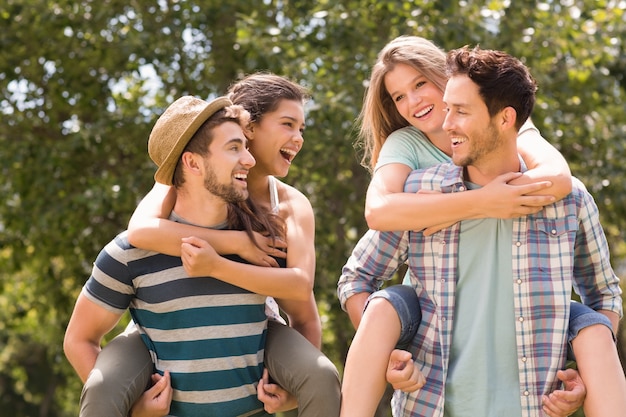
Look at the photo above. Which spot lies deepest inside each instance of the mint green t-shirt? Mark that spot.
(410, 147)
(483, 378)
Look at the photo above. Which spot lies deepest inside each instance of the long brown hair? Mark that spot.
(252, 217)
(261, 92)
(379, 116)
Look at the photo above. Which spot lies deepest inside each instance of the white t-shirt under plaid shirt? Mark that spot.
(561, 246)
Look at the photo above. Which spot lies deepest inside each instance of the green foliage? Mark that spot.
(81, 83)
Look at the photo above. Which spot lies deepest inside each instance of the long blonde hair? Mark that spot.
(379, 116)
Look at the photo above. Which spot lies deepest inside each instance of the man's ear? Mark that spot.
(191, 162)
(508, 116)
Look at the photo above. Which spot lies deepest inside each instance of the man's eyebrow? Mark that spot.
(461, 104)
(237, 140)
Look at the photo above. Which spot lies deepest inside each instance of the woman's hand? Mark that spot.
(265, 252)
(502, 200)
(199, 256)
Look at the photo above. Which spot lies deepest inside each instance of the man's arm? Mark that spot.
(598, 286)
(375, 259)
(593, 276)
(88, 324)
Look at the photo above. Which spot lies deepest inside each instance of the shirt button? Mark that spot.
(523, 358)
(553, 231)
(521, 319)
(526, 393)
(462, 188)
(519, 281)
(518, 244)
(443, 319)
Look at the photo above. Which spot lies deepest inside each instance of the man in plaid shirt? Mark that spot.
(494, 293)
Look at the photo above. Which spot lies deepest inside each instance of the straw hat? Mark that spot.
(175, 128)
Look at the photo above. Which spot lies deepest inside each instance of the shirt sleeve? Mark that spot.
(594, 278)
(374, 260)
(110, 284)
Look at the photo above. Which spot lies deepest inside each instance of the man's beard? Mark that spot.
(228, 192)
(488, 141)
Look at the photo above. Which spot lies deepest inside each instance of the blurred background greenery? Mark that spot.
(82, 82)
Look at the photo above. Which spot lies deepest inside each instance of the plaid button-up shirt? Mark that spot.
(561, 246)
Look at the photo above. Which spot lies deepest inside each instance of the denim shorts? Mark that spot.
(581, 316)
(404, 300)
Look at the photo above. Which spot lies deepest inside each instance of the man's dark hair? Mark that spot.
(503, 81)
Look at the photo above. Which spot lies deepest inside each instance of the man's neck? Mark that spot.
(200, 208)
(491, 166)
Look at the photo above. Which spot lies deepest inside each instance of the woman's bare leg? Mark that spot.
(601, 371)
(364, 380)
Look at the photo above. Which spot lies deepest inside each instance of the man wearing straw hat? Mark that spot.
(205, 333)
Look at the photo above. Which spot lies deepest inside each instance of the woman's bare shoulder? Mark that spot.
(293, 200)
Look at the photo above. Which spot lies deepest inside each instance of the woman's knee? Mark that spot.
(120, 375)
(380, 307)
(102, 397)
(323, 371)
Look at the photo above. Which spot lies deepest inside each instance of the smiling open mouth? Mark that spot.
(425, 111)
(288, 154)
(458, 141)
(241, 177)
